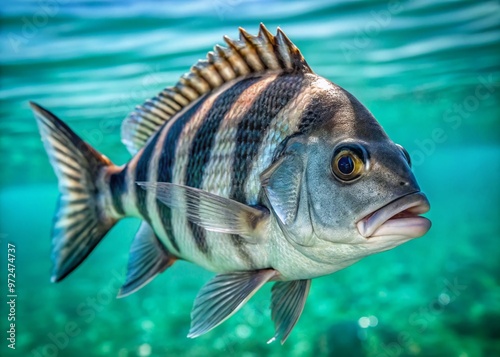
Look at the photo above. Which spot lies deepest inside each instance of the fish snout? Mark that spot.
(399, 218)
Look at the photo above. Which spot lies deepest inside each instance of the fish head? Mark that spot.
(366, 194)
(348, 187)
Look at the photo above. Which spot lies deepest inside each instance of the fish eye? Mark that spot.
(348, 162)
(405, 153)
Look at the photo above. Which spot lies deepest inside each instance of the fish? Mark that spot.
(251, 166)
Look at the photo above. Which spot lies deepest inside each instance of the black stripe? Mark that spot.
(73, 213)
(67, 156)
(65, 164)
(79, 201)
(253, 128)
(203, 143)
(64, 143)
(166, 165)
(141, 174)
(63, 152)
(86, 157)
(255, 124)
(75, 236)
(117, 186)
(70, 177)
(318, 110)
(73, 189)
(73, 226)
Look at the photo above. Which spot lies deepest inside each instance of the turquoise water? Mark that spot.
(430, 73)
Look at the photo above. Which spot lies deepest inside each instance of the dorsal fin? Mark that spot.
(248, 55)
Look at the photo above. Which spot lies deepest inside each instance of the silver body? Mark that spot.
(335, 208)
(252, 166)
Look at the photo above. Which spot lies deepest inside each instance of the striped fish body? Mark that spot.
(252, 167)
(220, 144)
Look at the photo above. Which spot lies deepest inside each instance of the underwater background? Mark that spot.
(428, 70)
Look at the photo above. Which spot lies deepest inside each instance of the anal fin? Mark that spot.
(222, 296)
(287, 302)
(148, 257)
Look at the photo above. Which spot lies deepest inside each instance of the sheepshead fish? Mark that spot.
(253, 167)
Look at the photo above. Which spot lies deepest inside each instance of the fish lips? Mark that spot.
(398, 219)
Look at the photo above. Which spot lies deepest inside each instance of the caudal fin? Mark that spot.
(81, 220)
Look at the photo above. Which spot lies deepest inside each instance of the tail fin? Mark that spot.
(81, 220)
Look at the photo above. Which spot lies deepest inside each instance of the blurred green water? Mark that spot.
(429, 71)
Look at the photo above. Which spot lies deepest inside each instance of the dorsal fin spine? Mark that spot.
(167, 96)
(266, 41)
(162, 106)
(223, 65)
(237, 58)
(186, 91)
(177, 96)
(206, 71)
(283, 49)
(250, 54)
(197, 82)
(153, 107)
(150, 118)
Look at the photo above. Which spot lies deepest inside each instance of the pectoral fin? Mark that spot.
(283, 184)
(222, 296)
(287, 302)
(212, 212)
(148, 257)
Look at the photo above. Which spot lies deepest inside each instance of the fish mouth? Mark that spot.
(399, 218)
